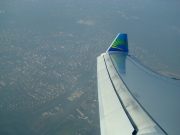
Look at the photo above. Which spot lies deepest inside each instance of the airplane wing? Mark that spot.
(133, 100)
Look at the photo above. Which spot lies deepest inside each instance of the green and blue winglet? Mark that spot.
(120, 44)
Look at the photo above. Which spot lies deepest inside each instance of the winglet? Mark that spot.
(120, 44)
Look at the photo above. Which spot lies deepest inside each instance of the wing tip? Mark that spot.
(120, 44)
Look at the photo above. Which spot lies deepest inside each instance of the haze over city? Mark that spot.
(48, 51)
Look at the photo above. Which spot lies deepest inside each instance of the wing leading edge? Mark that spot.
(133, 99)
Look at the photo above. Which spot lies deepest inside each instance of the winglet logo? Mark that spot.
(119, 44)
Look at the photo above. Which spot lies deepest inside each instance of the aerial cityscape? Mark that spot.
(48, 51)
(41, 77)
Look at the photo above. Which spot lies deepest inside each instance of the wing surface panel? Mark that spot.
(140, 120)
(113, 119)
(158, 95)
